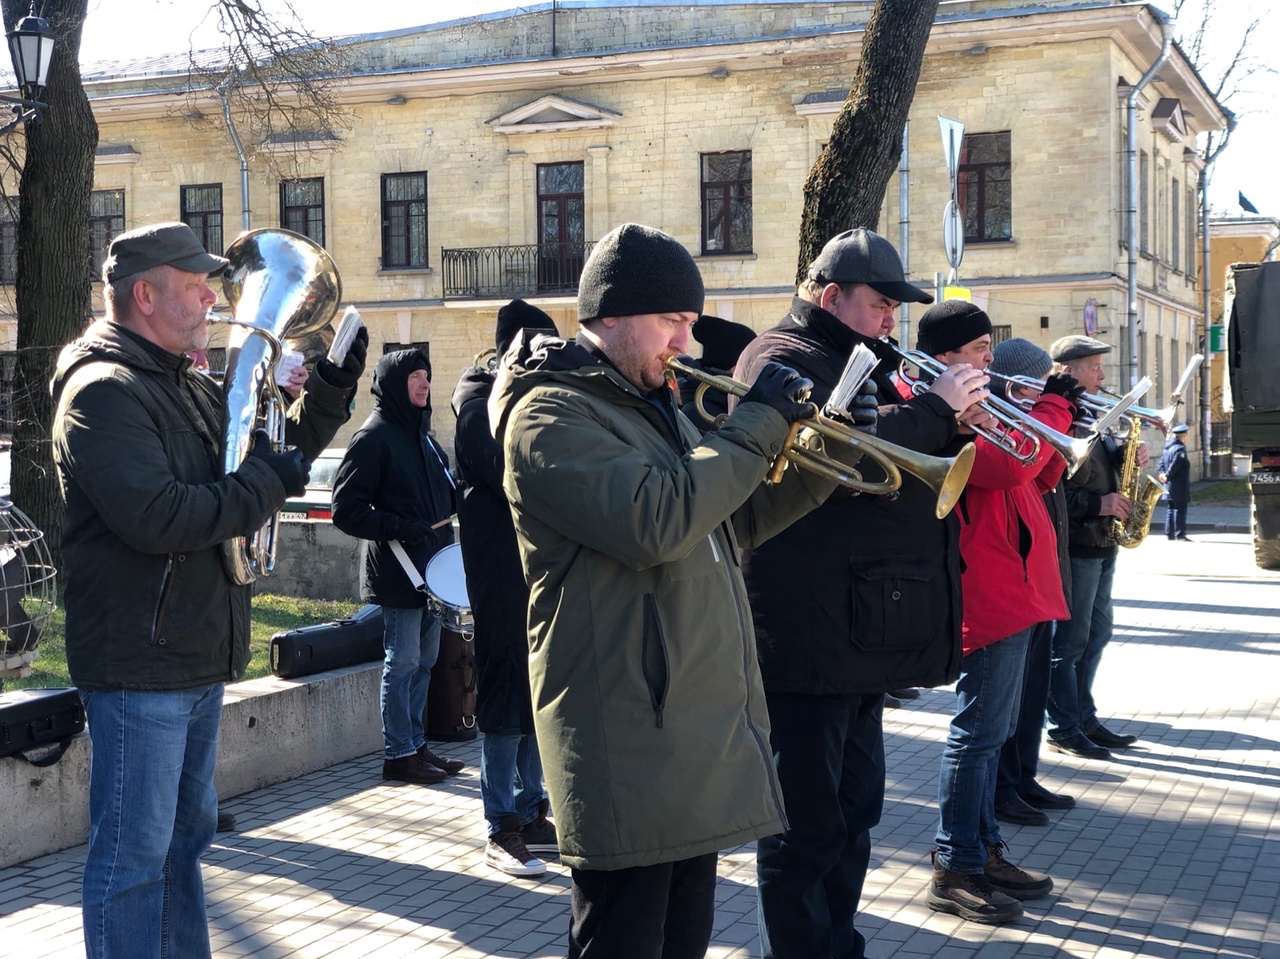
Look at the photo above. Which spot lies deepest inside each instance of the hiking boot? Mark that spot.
(506, 851)
(539, 835)
(1013, 880)
(451, 767)
(411, 769)
(970, 897)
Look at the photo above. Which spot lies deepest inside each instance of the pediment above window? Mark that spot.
(550, 113)
(1168, 119)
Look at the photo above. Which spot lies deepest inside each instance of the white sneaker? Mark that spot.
(506, 851)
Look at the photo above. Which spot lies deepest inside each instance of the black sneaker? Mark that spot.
(506, 851)
(540, 834)
(970, 897)
(1013, 880)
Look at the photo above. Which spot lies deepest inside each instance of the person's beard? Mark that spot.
(633, 362)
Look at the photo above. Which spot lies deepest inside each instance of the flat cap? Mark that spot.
(161, 244)
(1076, 347)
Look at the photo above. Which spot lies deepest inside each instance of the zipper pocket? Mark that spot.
(157, 620)
(654, 661)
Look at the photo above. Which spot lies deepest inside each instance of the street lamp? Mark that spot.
(31, 46)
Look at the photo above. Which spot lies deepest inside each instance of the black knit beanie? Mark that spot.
(949, 325)
(516, 316)
(634, 270)
(722, 341)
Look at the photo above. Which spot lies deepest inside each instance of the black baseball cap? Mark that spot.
(861, 256)
(162, 244)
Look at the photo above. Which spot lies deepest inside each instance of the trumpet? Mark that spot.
(805, 447)
(1162, 419)
(1019, 434)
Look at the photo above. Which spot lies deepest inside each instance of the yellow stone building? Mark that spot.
(483, 156)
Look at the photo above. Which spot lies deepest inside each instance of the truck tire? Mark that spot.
(1266, 531)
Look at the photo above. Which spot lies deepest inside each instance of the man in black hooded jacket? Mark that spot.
(515, 801)
(393, 486)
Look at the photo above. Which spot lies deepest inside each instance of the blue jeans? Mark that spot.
(987, 700)
(152, 812)
(411, 638)
(829, 751)
(1077, 647)
(510, 778)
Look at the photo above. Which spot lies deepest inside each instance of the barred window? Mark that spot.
(726, 202)
(8, 240)
(106, 222)
(404, 220)
(201, 209)
(302, 207)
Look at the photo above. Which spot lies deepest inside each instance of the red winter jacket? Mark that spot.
(1008, 545)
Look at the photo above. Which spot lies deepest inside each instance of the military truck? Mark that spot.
(1253, 396)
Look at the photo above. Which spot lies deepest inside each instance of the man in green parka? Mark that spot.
(646, 691)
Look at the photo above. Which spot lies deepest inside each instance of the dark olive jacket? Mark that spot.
(137, 439)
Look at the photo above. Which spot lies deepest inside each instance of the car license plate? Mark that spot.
(290, 514)
(1257, 478)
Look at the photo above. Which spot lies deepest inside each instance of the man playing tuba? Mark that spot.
(155, 624)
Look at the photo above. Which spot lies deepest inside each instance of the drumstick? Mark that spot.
(444, 522)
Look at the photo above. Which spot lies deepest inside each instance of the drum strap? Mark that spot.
(407, 565)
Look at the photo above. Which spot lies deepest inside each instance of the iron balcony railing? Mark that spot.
(506, 272)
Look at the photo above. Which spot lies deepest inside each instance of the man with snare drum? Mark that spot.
(393, 490)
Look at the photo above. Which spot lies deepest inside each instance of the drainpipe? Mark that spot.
(1131, 230)
(904, 233)
(224, 90)
(1206, 414)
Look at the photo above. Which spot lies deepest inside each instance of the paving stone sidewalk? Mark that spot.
(1173, 850)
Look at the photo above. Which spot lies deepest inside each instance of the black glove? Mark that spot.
(1064, 385)
(347, 375)
(413, 531)
(784, 389)
(291, 466)
(864, 411)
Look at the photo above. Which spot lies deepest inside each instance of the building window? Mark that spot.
(985, 187)
(201, 209)
(106, 222)
(1191, 232)
(302, 207)
(1144, 181)
(726, 202)
(8, 240)
(1001, 332)
(561, 226)
(404, 220)
(1175, 225)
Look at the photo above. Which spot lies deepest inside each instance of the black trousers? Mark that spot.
(829, 751)
(1020, 755)
(647, 912)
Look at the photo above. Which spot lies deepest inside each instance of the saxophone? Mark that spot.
(1142, 491)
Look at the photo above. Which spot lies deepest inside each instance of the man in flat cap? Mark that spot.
(156, 622)
(860, 597)
(1093, 500)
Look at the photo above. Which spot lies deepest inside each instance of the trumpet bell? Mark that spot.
(947, 477)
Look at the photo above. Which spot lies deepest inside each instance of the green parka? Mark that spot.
(137, 439)
(648, 706)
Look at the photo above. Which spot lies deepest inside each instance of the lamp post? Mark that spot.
(31, 46)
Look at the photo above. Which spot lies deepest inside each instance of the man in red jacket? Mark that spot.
(1010, 582)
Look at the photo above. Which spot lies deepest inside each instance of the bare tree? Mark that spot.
(845, 188)
(52, 292)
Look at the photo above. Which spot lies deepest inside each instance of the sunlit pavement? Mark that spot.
(1173, 850)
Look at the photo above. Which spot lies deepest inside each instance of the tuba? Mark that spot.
(283, 289)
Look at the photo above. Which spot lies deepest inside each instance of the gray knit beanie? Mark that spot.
(1019, 357)
(634, 270)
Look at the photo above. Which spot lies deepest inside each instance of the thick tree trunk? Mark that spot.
(845, 188)
(52, 289)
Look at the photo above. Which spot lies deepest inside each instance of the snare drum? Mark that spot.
(447, 590)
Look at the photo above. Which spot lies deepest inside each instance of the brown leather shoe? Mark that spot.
(411, 769)
(451, 767)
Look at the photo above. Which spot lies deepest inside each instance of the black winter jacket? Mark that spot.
(392, 481)
(137, 439)
(1099, 476)
(491, 558)
(862, 595)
